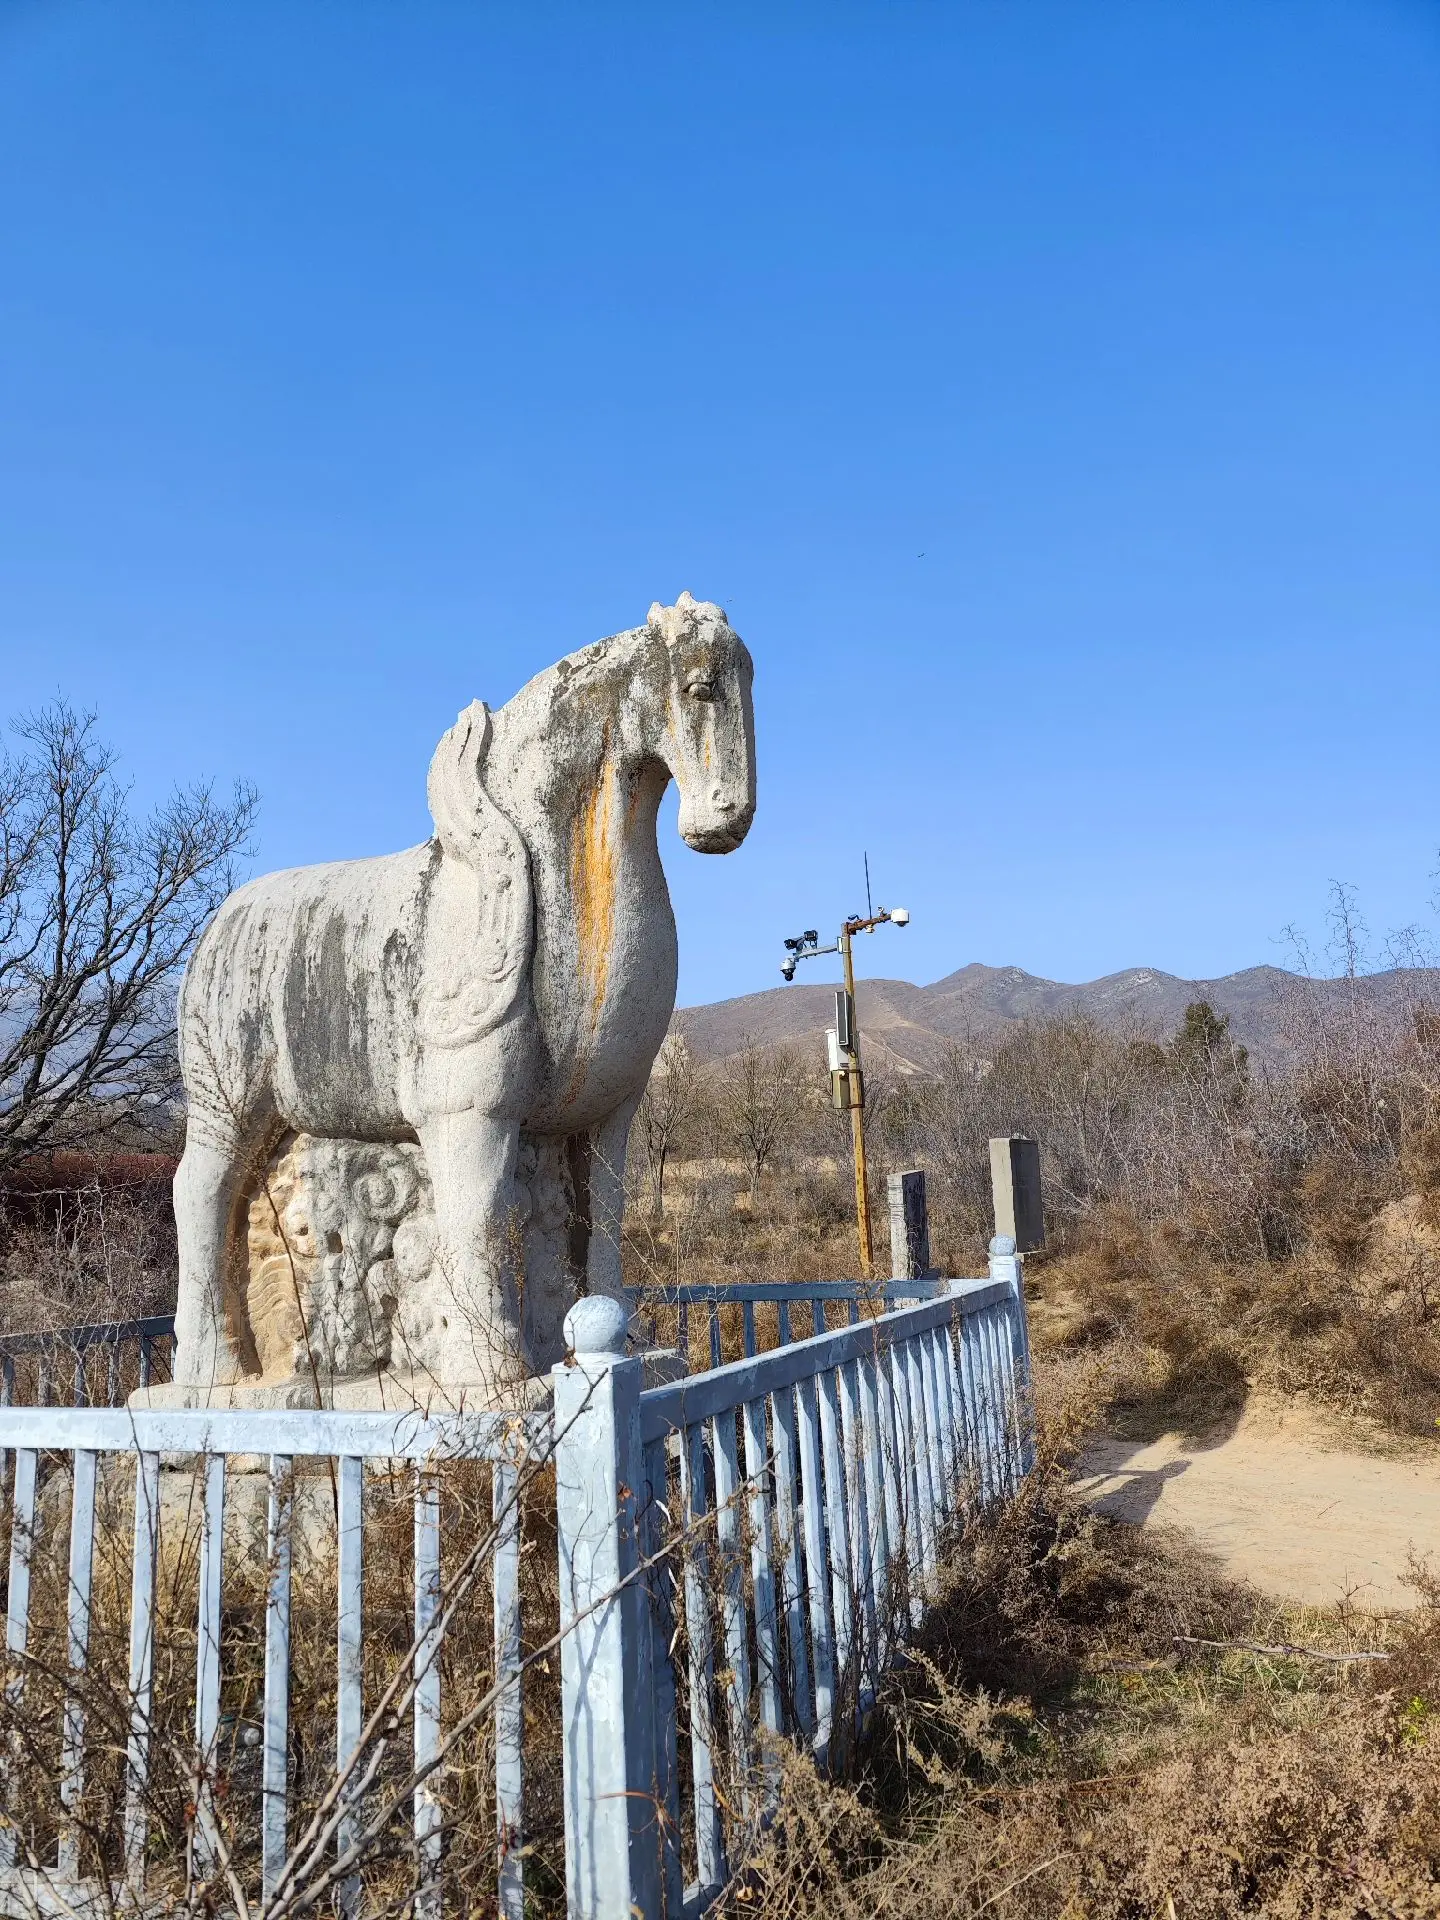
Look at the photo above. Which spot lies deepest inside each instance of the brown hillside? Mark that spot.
(910, 1024)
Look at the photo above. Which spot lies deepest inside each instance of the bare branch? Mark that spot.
(99, 911)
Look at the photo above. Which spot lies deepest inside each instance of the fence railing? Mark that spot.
(64, 1357)
(34, 1367)
(165, 1443)
(801, 1309)
(739, 1554)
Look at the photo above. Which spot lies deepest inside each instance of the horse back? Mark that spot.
(299, 1005)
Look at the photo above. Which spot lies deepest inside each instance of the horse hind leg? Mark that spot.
(606, 1205)
(212, 1183)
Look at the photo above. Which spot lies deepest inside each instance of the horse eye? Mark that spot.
(701, 690)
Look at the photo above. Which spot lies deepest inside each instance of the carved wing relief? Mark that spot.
(478, 987)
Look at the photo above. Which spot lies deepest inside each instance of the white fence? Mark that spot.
(209, 1440)
(788, 1508)
(816, 1301)
(739, 1554)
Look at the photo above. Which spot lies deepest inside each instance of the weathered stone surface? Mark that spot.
(411, 1078)
(324, 1283)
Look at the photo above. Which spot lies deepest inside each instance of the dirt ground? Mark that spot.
(1282, 1501)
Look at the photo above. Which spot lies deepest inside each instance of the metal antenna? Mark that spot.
(869, 908)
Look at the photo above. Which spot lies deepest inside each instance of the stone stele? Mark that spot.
(411, 1078)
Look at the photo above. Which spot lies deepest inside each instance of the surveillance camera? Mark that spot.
(899, 917)
(787, 967)
(811, 937)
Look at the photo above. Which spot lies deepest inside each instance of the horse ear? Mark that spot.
(673, 623)
(454, 789)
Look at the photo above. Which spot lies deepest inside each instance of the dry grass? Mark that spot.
(1057, 1747)
(1361, 1335)
(1056, 1743)
(85, 1253)
(466, 1788)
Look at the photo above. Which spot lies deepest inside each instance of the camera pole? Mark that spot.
(857, 1114)
(847, 1081)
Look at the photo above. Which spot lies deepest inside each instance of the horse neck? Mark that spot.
(571, 756)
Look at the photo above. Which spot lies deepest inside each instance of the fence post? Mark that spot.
(1007, 1265)
(613, 1825)
(909, 1226)
(1016, 1192)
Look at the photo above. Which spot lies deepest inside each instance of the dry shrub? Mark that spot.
(1156, 1297)
(1362, 1334)
(1410, 1678)
(1341, 1822)
(798, 1226)
(1037, 1590)
(1052, 1749)
(1222, 1216)
(85, 1253)
(1353, 1318)
(1368, 1359)
(1339, 1202)
(1421, 1167)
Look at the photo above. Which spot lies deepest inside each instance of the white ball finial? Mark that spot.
(1002, 1243)
(597, 1324)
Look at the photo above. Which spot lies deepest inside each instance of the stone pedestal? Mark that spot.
(340, 1298)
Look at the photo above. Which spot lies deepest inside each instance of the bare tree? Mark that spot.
(761, 1102)
(99, 910)
(664, 1107)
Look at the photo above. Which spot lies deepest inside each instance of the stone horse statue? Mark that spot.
(511, 979)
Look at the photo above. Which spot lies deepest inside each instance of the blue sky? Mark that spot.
(1051, 393)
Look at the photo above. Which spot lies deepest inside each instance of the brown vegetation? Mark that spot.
(1222, 1219)
(1064, 1742)
(1086, 1731)
(86, 1238)
(1088, 1727)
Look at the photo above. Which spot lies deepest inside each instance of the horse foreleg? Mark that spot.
(607, 1203)
(478, 1239)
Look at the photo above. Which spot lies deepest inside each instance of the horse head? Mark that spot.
(709, 744)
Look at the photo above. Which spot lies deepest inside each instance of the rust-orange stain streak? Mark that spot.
(592, 883)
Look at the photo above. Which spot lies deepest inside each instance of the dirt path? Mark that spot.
(1281, 1503)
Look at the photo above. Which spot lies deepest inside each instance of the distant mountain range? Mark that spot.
(910, 1026)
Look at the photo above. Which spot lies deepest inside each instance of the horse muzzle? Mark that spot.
(714, 839)
(719, 828)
